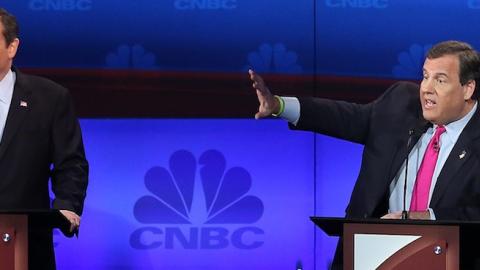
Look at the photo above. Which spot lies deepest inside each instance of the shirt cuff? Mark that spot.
(432, 215)
(291, 113)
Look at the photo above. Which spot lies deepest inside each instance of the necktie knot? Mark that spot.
(439, 131)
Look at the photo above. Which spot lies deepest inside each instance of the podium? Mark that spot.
(14, 229)
(405, 244)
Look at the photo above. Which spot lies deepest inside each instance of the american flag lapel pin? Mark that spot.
(23, 104)
(462, 155)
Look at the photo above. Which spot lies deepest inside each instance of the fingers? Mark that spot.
(268, 103)
(73, 218)
(261, 114)
(419, 215)
(75, 224)
(73, 227)
(258, 83)
(394, 215)
(251, 72)
(411, 215)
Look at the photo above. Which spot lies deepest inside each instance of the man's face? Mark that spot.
(443, 98)
(7, 53)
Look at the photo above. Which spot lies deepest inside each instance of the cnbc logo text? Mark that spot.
(197, 238)
(60, 5)
(376, 4)
(198, 204)
(205, 4)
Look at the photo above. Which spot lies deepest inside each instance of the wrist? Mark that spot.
(280, 106)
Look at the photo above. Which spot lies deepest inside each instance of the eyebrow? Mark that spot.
(437, 74)
(440, 74)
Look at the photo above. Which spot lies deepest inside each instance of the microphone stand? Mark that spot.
(405, 212)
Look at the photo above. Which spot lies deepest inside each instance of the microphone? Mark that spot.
(409, 141)
(420, 128)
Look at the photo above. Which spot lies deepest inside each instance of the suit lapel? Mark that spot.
(19, 108)
(462, 151)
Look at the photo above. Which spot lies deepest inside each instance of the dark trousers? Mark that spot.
(41, 255)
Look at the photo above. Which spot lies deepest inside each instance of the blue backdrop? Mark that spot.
(374, 38)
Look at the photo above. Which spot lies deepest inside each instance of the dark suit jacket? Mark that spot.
(41, 141)
(383, 127)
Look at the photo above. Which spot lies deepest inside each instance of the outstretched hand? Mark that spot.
(268, 103)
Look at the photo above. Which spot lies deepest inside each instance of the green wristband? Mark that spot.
(282, 106)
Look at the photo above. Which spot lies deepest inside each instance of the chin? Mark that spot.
(429, 117)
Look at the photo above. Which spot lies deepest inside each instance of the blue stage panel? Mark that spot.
(194, 194)
(337, 167)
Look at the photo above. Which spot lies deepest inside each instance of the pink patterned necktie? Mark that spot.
(421, 190)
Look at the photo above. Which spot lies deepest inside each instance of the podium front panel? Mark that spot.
(400, 246)
(14, 241)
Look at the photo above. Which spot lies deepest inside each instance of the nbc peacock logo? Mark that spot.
(197, 205)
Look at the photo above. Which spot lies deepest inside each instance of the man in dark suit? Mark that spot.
(40, 139)
(438, 119)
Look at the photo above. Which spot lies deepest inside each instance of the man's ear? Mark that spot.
(13, 47)
(469, 89)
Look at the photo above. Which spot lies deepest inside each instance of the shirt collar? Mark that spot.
(453, 129)
(6, 87)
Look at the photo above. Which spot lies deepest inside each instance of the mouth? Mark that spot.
(429, 104)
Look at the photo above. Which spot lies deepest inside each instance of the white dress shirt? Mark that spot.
(6, 93)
